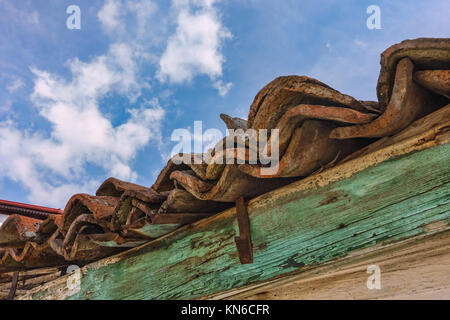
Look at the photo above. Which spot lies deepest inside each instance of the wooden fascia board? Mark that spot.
(414, 268)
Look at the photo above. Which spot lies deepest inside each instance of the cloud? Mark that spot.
(143, 10)
(77, 142)
(222, 87)
(6, 107)
(109, 16)
(25, 18)
(195, 46)
(133, 22)
(15, 85)
(120, 18)
(53, 166)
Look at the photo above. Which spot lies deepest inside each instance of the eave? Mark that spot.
(394, 194)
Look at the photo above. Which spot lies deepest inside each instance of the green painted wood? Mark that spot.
(301, 227)
(156, 230)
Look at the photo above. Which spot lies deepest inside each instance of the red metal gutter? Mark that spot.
(28, 210)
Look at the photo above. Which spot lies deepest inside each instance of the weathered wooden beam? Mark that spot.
(12, 291)
(416, 268)
(386, 196)
(5, 294)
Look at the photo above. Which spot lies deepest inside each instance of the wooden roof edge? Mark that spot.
(212, 238)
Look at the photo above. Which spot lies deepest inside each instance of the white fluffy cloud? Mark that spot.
(222, 87)
(75, 135)
(109, 15)
(113, 14)
(195, 46)
(80, 134)
(52, 164)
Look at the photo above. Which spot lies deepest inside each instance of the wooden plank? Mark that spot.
(4, 294)
(417, 268)
(386, 196)
(27, 280)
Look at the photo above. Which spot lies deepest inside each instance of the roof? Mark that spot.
(318, 128)
(378, 202)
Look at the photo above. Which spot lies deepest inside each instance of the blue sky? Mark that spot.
(78, 106)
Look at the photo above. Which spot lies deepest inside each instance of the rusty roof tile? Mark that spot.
(233, 123)
(102, 207)
(163, 182)
(425, 53)
(181, 201)
(115, 188)
(18, 229)
(437, 81)
(285, 92)
(232, 184)
(409, 101)
(309, 149)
